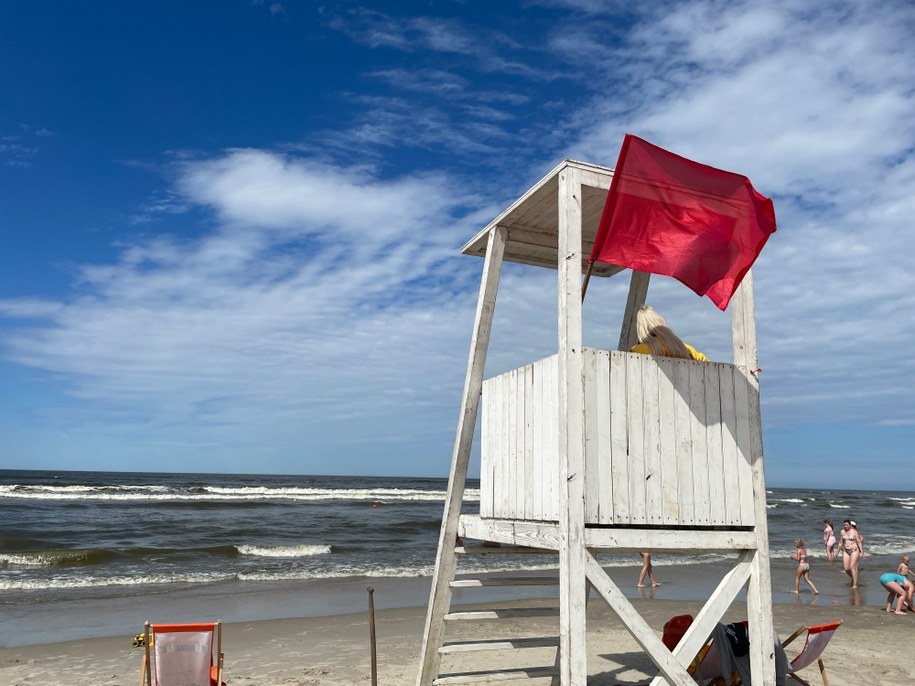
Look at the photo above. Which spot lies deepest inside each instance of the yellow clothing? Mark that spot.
(645, 350)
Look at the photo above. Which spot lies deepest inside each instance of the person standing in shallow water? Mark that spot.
(851, 551)
(803, 567)
(829, 539)
(647, 570)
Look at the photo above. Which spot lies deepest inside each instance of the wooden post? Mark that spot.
(440, 595)
(372, 646)
(572, 575)
(147, 658)
(759, 589)
(638, 291)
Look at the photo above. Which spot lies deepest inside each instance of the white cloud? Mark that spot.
(815, 106)
(313, 305)
(325, 306)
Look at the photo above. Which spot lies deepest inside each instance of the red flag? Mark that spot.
(668, 215)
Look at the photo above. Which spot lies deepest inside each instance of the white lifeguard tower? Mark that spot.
(594, 450)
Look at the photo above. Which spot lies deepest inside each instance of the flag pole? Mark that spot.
(584, 284)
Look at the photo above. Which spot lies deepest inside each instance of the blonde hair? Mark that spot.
(653, 331)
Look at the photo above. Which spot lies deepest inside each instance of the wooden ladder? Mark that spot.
(481, 652)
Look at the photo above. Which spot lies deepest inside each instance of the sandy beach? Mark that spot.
(335, 650)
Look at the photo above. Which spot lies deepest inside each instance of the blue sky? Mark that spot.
(230, 230)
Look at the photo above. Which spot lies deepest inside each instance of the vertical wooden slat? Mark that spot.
(551, 467)
(440, 592)
(541, 448)
(620, 459)
(717, 506)
(499, 446)
(486, 457)
(744, 449)
(729, 445)
(683, 449)
(605, 480)
(667, 440)
(634, 411)
(529, 485)
(517, 474)
(699, 433)
(592, 440)
(652, 439)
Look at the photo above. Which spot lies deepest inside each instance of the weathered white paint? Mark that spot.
(440, 593)
(667, 442)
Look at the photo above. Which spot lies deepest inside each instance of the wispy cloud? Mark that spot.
(321, 294)
(311, 299)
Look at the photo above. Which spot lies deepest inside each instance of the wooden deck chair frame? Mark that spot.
(148, 666)
(817, 638)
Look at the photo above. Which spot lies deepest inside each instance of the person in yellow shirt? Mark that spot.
(656, 338)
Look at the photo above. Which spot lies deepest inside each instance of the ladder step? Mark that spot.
(500, 644)
(502, 613)
(502, 675)
(500, 550)
(506, 581)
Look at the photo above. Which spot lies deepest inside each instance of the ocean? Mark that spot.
(125, 544)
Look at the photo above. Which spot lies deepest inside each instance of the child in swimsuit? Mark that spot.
(905, 572)
(803, 566)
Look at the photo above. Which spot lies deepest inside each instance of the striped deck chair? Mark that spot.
(182, 655)
(817, 638)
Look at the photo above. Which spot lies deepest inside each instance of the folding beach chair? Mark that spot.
(817, 638)
(182, 655)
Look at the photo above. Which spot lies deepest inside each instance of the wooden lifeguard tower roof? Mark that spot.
(533, 220)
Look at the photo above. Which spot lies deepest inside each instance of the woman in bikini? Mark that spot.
(829, 539)
(851, 549)
(803, 566)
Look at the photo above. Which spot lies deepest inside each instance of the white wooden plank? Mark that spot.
(502, 468)
(539, 444)
(486, 450)
(732, 491)
(440, 592)
(546, 535)
(667, 439)
(715, 476)
(518, 476)
(683, 443)
(699, 436)
(635, 411)
(605, 480)
(591, 439)
(619, 438)
(498, 442)
(636, 539)
(651, 416)
(529, 486)
(550, 464)
(742, 390)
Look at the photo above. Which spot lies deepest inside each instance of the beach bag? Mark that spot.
(739, 638)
